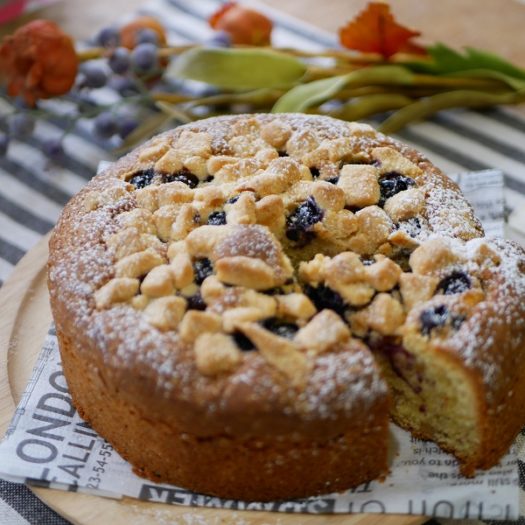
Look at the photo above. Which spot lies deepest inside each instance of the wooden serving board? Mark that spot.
(24, 320)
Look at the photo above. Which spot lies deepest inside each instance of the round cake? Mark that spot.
(242, 303)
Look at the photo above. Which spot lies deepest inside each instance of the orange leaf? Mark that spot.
(375, 30)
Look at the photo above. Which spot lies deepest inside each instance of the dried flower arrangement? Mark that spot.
(378, 70)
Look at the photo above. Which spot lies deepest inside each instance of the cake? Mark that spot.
(243, 302)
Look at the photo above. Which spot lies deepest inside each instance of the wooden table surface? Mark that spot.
(496, 25)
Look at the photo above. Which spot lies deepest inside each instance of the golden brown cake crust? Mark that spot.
(128, 356)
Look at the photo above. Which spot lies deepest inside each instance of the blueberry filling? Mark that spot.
(433, 318)
(367, 261)
(457, 282)
(202, 269)
(324, 297)
(282, 154)
(196, 302)
(278, 290)
(280, 327)
(233, 200)
(217, 218)
(457, 320)
(209, 178)
(314, 171)
(332, 180)
(243, 342)
(184, 175)
(142, 178)
(301, 220)
(392, 183)
(403, 363)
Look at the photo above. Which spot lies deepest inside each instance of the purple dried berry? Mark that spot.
(92, 75)
(119, 60)
(147, 36)
(108, 37)
(144, 57)
(53, 148)
(105, 125)
(20, 125)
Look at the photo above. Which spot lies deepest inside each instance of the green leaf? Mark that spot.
(485, 60)
(360, 108)
(425, 107)
(302, 97)
(238, 68)
(447, 60)
(314, 93)
(515, 83)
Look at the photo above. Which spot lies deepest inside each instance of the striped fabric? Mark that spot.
(33, 191)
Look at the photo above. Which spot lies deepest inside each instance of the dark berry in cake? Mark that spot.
(402, 363)
(184, 175)
(142, 178)
(202, 269)
(280, 327)
(324, 297)
(301, 220)
(282, 154)
(433, 318)
(217, 218)
(233, 200)
(392, 183)
(332, 180)
(196, 302)
(314, 171)
(457, 282)
(278, 290)
(243, 342)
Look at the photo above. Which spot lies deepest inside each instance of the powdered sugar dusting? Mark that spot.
(501, 315)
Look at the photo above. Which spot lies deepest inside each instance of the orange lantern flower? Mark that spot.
(245, 26)
(38, 61)
(130, 32)
(375, 30)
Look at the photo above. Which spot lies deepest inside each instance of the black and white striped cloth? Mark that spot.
(33, 191)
